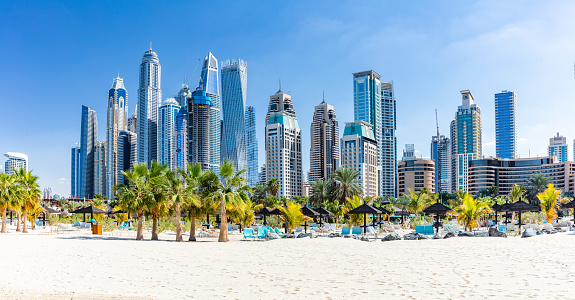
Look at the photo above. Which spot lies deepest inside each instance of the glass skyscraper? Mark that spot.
(149, 98)
(374, 103)
(15, 162)
(88, 142)
(324, 150)
(117, 120)
(506, 124)
(558, 148)
(199, 124)
(466, 142)
(210, 84)
(127, 143)
(234, 75)
(441, 154)
(75, 178)
(166, 132)
(100, 168)
(252, 145)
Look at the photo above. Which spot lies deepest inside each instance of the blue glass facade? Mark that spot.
(211, 85)
(506, 125)
(252, 145)
(75, 180)
(88, 141)
(166, 132)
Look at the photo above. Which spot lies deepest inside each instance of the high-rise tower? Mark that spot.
(558, 148)
(234, 94)
(441, 155)
(88, 142)
(75, 171)
(166, 133)
(465, 140)
(117, 120)
(149, 98)
(211, 86)
(324, 150)
(359, 153)
(388, 143)
(506, 125)
(199, 115)
(100, 168)
(252, 145)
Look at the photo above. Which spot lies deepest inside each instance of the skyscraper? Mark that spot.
(15, 162)
(252, 145)
(183, 95)
(199, 115)
(283, 153)
(211, 86)
(88, 141)
(558, 148)
(166, 132)
(117, 120)
(182, 137)
(465, 141)
(408, 152)
(234, 94)
(388, 143)
(441, 155)
(149, 98)
(359, 153)
(133, 121)
(374, 103)
(127, 152)
(279, 102)
(100, 168)
(506, 125)
(76, 170)
(324, 150)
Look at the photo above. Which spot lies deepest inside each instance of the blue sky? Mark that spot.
(57, 56)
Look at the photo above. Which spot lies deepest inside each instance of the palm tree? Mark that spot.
(178, 195)
(459, 196)
(336, 208)
(401, 202)
(417, 200)
(319, 191)
(231, 193)
(157, 205)
(133, 197)
(34, 213)
(516, 193)
(292, 215)
(346, 184)
(7, 191)
(470, 211)
(352, 203)
(31, 193)
(243, 213)
(259, 193)
(193, 178)
(534, 185)
(549, 202)
(273, 186)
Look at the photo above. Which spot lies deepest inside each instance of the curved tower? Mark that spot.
(166, 132)
(149, 98)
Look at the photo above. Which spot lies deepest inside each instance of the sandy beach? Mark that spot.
(78, 265)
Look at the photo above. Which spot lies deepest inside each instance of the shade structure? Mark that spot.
(51, 211)
(383, 210)
(401, 212)
(324, 212)
(437, 209)
(495, 207)
(570, 204)
(520, 207)
(306, 211)
(89, 210)
(265, 211)
(364, 209)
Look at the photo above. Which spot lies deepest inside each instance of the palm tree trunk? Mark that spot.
(4, 220)
(24, 217)
(154, 228)
(178, 224)
(18, 217)
(192, 228)
(223, 225)
(140, 232)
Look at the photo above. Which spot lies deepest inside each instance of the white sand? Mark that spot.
(83, 266)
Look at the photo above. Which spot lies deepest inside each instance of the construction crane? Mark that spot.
(194, 72)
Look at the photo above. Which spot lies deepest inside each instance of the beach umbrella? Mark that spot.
(324, 213)
(383, 212)
(364, 209)
(306, 211)
(495, 209)
(437, 209)
(521, 206)
(265, 211)
(89, 210)
(278, 212)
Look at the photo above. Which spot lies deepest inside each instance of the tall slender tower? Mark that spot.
(441, 154)
(166, 133)
(466, 140)
(211, 86)
(199, 115)
(506, 124)
(359, 153)
(388, 144)
(234, 94)
(75, 171)
(558, 148)
(324, 150)
(88, 141)
(117, 120)
(252, 145)
(149, 97)
(100, 168)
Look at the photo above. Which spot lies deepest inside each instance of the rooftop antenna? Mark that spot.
(280, 84)
(150, 45)
(323, 98)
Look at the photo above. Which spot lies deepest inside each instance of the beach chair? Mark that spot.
(345, 231)
(356, 230)
(501, 227)
(420, 229)
(262, 232)
(278, 232)
(333, 227)
(249, 233)
(371, 230)
(388, 228)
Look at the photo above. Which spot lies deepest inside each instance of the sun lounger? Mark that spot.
(262, 232)
(249, 233)
(356, 230)
(501, 227)
(278, 232)
(371, 230)
(389, 228)
(345, 231)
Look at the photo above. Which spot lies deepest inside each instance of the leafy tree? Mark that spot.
(534, 185)
(549, 200)
(516, 193)
(319, 191)
(273, 186)
(243, 213)
(193, 178)
(178, 195)
(259, 193)
(292, 215)
(458, 199)
(336, 208)
(133, 197)
(7, 192)
(157, 205)
(402, 202)
(30, 192)
(418, 201)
